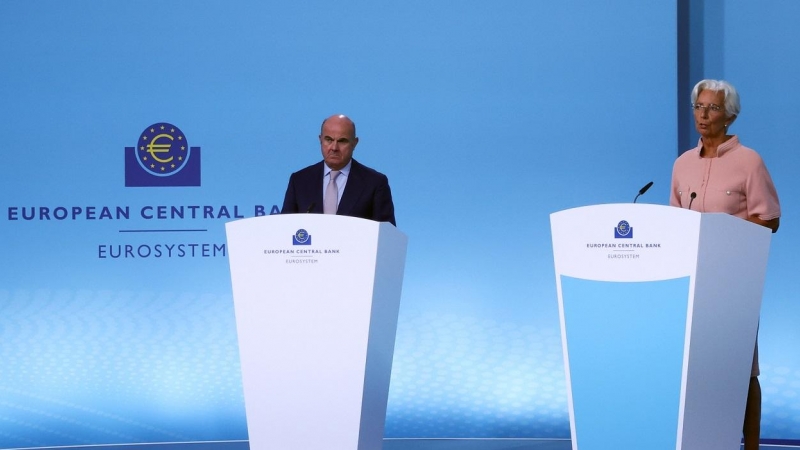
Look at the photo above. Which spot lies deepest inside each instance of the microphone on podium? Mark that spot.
(691, 199)
(643, 190)
(311, 207)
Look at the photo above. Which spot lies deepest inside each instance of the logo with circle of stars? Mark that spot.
(163, 157)
(163, 150)
(623, 230)
(301, 237)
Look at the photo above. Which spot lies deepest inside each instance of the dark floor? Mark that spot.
(388, 444)
(476, 444)
(504, 444)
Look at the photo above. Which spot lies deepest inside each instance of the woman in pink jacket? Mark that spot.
(722, 175)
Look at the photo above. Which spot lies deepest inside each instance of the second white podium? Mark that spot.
(659, 314)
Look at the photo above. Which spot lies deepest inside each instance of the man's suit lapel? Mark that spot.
(316, 185)
(355, 184)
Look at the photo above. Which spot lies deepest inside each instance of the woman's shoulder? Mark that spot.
(746, 154)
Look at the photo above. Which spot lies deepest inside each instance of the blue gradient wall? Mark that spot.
(758, 52)
(545, 106)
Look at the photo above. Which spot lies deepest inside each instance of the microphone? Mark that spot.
(691, 198)
(643, 190)
(310, 207)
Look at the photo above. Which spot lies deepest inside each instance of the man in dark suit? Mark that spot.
(339, 184)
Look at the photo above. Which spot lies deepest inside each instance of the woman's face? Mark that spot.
(711, 123)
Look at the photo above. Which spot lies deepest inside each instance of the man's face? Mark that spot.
(337, 142)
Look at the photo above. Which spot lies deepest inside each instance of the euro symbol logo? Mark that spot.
(157, 155)
(154, 148)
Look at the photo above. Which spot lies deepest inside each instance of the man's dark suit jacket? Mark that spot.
(366, 194)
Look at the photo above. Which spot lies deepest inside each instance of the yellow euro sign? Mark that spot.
(154, 148)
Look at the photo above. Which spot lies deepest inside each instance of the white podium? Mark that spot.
(316, 300)
(659, 314)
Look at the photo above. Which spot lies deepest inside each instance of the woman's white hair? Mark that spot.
(732, 106)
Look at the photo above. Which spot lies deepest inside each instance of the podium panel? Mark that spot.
(316, 300)
(659, 315)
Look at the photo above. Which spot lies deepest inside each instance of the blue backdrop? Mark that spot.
(116, 324)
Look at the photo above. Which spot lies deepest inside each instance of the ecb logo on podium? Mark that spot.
(623, 230)
(162, 157)
(301, 237)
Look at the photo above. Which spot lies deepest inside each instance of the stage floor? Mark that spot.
(476, 444)
(503, 444)
(388, 444)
